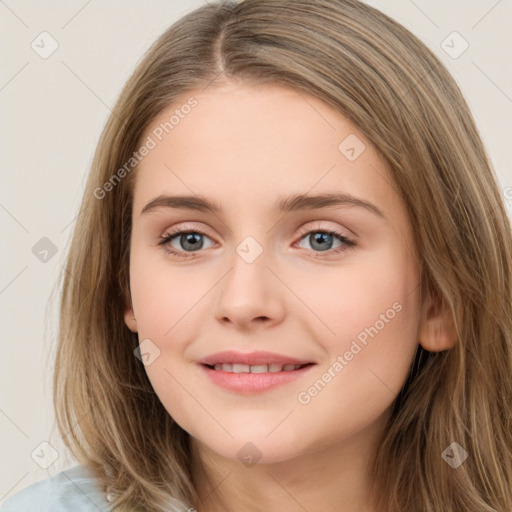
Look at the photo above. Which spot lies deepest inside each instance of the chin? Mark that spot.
(254, 447)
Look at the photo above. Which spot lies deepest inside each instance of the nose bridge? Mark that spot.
(249, 263)
(251, 237)
(247, 291)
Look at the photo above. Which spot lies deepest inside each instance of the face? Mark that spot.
(331, 283)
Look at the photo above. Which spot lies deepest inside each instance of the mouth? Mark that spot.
(258, 368)
(254, 379)
(253, 372)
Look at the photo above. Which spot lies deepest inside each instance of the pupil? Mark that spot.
(322, 239)
(189, 239)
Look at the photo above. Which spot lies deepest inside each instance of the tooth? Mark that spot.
(259, 368)
(241, 368)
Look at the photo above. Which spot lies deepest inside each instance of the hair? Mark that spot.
(386, 82)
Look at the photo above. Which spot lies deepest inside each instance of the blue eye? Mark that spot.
(323, 239)
(191, 241)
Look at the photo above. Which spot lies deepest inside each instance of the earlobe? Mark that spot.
(129, 317)
(437, 330)
(129, 320)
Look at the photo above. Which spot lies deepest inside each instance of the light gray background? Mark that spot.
(53, 111)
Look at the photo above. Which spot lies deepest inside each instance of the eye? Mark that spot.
(190, 240)
(321, 240)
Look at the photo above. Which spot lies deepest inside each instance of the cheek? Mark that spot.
(351, 298)
(374, 317)
(163, 296)
(167, 304)
(370, 316)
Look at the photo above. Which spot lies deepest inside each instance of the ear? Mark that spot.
(129, 316)
(437, 328)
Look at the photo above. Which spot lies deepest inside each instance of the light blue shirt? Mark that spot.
(71, 490)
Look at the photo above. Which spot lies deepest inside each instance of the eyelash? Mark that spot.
(165, 239)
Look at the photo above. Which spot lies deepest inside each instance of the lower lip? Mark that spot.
(253, 382)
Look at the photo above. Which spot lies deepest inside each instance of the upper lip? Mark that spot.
(250, 358)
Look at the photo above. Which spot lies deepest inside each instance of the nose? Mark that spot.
(250, 295)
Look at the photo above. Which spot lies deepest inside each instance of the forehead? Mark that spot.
(244, 143)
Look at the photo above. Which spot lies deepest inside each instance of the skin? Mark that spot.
(246, 146)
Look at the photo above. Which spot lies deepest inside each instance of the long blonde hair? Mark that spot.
(392, 87)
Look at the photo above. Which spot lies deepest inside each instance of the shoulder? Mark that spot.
(71, 490)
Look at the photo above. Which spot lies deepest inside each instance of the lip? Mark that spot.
(250, 358)
(249, 383)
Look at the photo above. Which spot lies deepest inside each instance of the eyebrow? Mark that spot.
(290, 204)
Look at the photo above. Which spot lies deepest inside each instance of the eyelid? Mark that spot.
(319, 225)
(303, 230)
(185, 227)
